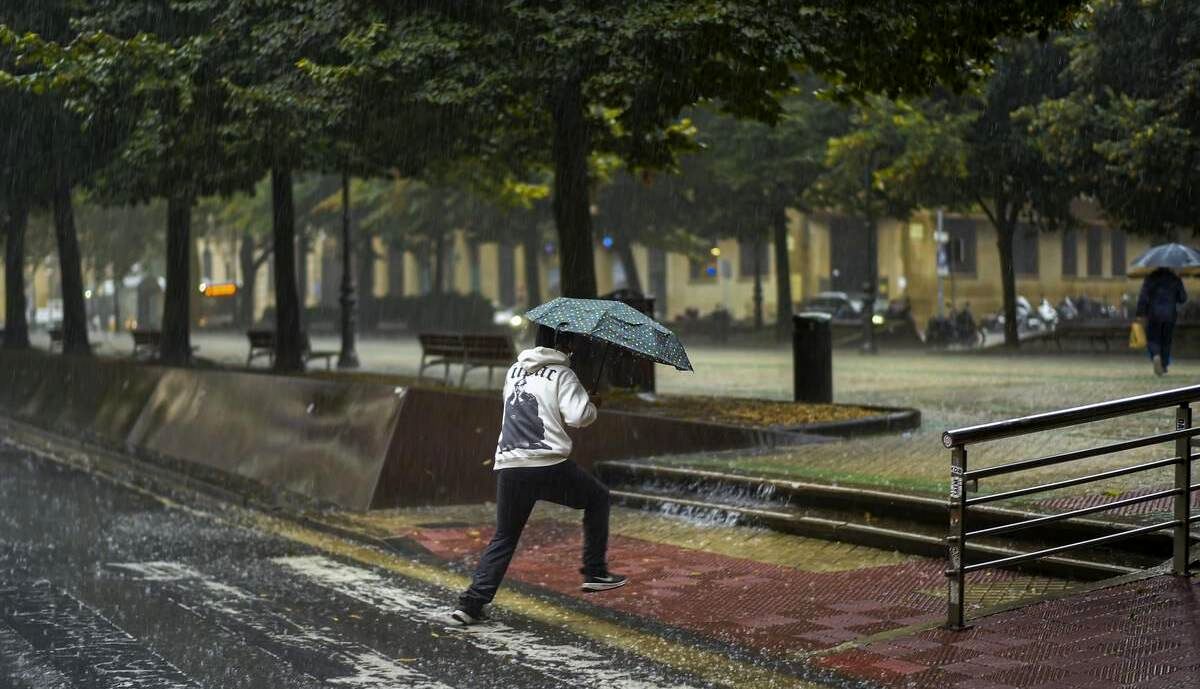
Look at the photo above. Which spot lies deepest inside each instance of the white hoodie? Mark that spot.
(541, 397)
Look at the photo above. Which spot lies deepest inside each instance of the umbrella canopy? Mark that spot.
(1182, 259)
(616, 323)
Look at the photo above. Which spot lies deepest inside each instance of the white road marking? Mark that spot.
(80, 643)
(569, 663)
(236, 608)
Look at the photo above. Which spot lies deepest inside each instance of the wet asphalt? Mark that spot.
(105, 587)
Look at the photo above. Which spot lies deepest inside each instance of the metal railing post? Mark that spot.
(957, 541)
(1183, 482)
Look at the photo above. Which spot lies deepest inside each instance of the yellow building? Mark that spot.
(825, 252)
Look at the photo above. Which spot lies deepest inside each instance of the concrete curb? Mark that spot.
(890, 420)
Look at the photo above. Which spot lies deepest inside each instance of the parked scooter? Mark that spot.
(958, 328)
(1047, 314)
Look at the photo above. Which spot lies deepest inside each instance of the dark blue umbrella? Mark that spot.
(615, 323)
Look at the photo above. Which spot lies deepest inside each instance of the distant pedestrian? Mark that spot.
(542, 397)
(1157, 308)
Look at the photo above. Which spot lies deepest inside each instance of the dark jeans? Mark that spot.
(517, 490)
(1158, 339)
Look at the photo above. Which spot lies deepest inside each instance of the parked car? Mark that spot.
(840, 306)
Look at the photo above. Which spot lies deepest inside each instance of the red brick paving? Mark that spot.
(1142, 635)
(740, 601)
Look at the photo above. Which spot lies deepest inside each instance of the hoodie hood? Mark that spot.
(533, 359)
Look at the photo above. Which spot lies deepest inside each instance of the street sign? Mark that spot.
(220, 289)
(943, 260)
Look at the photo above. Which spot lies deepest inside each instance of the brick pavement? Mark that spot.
(777, 594)
(1141, 635)
(875, 622)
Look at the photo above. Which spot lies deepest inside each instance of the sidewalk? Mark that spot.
(1142, 635)
(848, 613)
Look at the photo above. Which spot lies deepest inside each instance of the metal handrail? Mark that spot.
(959, 538)
(1083, 511)
(1099, 540)
(1079, 454)
(1067, 483)
(1074, 416)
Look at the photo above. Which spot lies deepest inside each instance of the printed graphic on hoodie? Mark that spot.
(522, 427)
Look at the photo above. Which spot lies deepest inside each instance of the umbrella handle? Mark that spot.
(600, 372)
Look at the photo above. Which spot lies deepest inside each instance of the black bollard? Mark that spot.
(812, 358)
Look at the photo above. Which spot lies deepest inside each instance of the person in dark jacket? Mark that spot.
(1157, 308)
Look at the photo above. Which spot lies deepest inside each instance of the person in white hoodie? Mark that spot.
(542, 397)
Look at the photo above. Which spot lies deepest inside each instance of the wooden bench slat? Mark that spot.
(469, 350)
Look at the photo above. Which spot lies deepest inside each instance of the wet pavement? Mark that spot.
(777, 595)
(111, 582)
(1141, 635)
(103, 586)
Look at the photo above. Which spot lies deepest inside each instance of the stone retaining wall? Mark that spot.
(354, 444)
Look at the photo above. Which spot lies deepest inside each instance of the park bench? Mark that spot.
(56, 340)
(147, 344)
(262, 344)
(466, 350)
(1097, 333)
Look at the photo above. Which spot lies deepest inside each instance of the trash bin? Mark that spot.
(628, 371)
(812, 358)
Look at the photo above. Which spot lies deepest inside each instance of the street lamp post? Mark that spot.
(348, 358)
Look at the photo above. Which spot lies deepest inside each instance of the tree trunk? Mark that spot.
(395, 272)
(176, 319)
(289, 347)
(249, 282)
(783, 276)
(118, 281)
(533, 267)
(302, 249)
(348, 357)
(758, 290)
(633, 279)
(1008, 280)
(16, 328)
(572, 203)
(439, 263)
(75, 327)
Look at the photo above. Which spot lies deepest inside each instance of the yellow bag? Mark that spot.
(1137, 335)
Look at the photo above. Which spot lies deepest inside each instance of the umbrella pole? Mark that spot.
(600, 372)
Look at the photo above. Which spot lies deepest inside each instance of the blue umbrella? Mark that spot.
(1182, 259)
(615, 323)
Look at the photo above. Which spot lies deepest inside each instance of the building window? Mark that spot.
(1070, 253)
(1025, 250)
(1118, 253)
(704, 270)
(960, 247)
(746, 259)
(1095, 251)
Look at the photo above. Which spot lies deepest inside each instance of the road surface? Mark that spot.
(105, 586)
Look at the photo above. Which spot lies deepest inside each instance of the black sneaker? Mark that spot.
(464, 618)
(603, 582)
